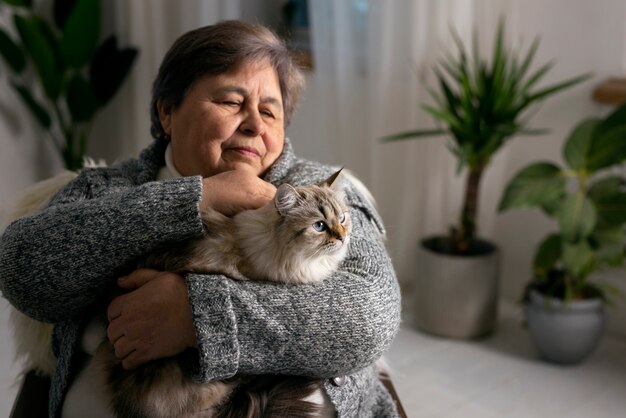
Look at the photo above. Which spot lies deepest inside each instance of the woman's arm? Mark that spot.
(56, 263)
(332, 328)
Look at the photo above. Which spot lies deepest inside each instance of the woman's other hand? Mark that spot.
(153, 320)
(233, 191)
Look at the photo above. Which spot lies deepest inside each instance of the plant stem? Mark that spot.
(464, 235)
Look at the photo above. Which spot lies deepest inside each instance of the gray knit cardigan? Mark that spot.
(55, 267)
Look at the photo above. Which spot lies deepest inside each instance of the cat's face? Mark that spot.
(316, 218)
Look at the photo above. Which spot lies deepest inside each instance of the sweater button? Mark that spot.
(340, 380)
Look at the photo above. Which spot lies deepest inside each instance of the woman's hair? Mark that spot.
(217, 49)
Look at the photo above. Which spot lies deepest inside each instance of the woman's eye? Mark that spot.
(342, 218)
(267, 113)
(232, 104)
(319, 226)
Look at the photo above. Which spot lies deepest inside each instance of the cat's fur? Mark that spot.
(298, 238)
(315, 221)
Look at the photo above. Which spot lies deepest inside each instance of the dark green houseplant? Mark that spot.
(481, 104)
(61, 69)
(587, 198)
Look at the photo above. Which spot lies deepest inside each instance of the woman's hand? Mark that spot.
(153, 320)
(231, 192)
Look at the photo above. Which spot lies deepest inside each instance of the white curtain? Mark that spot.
(373, 60)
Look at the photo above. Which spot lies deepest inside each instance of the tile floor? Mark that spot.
(496, 377)
(501, 376)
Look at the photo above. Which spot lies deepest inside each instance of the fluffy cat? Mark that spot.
(315, 220)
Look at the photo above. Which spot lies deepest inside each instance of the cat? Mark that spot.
(316, 221)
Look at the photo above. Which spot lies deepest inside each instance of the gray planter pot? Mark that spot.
(456, 296)
(564, 333)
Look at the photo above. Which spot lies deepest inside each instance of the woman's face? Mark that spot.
(231, 121)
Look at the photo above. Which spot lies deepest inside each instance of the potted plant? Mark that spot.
(61, 71)
(481, 104)
(587, 198)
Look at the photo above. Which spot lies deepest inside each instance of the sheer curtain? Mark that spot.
(373, 60)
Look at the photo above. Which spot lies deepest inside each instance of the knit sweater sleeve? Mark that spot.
(55, 264)
(328, 329)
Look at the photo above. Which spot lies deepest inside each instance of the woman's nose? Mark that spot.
(252, 124)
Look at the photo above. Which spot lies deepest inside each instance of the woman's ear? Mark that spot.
(165, 117)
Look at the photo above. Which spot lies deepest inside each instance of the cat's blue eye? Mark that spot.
(342, 218)
(319, 226)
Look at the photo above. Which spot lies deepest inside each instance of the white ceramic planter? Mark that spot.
(456, 296)
(564, 333)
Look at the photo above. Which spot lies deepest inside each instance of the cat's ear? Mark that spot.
(286, 198)
(333, 181)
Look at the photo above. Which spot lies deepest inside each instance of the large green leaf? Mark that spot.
(80, 99)
(38, 45)
(577, 217)
(38, 111)
(534, 185)
(578, 144)
(611, 208)
(577, 258)
(616, 119)
(606, 186)
(81, 33)
(11, 53)
(547, 255)
(609, 144)
(109, 67)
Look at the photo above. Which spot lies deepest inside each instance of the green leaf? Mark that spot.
(38, 45)
(81, 33)
(11, 53)
(547, 255)
(413, 135)
(534, 185)
(611, 208)
(38, 111)
(577, 217)
(578, 144)
(109, 67)
(80, 99)
(608, 244)
(609, 142)
(607, 149)
(558, 87)
(616, 119)
(577, 258)
(606, 186)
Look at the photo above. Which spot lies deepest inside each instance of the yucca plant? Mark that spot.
(61, 70)
(587, 198)
(482, 104)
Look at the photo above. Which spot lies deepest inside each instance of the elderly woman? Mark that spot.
(221, 101)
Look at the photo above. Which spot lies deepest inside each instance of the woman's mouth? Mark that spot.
(246, 151)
